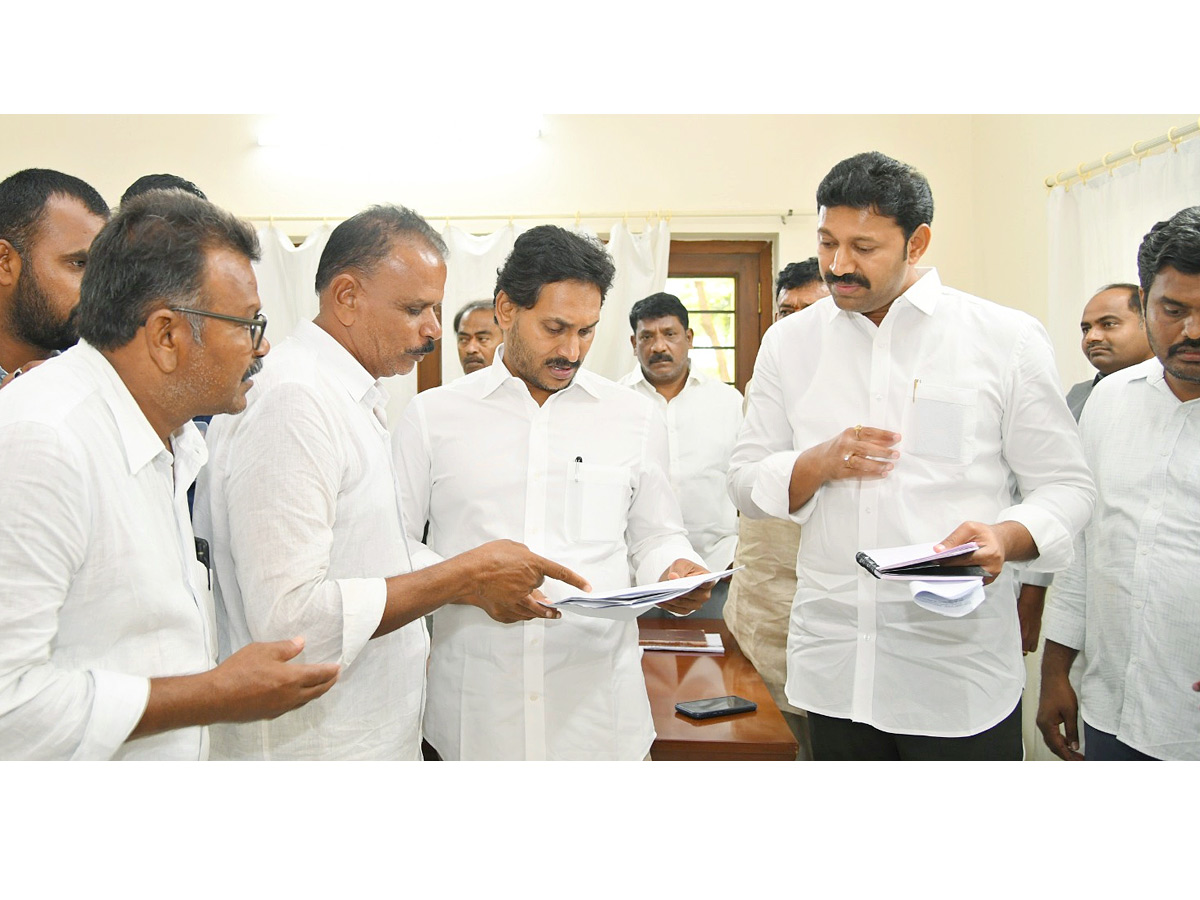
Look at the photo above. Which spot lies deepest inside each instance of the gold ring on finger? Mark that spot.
(846, 459)
(858, 432)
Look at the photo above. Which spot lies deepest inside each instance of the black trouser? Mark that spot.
(841, 739)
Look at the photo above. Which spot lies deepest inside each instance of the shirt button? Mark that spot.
(534, 696)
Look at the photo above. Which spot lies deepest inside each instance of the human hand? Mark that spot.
(858, 452)
(20, 370)
(996, 544)
(1031, 601)
(1058, 706)
(258, 682)
(694, 599)
(505, 576)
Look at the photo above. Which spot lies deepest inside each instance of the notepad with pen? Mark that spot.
(918, 562)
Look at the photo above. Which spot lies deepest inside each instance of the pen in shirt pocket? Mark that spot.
(575, 467)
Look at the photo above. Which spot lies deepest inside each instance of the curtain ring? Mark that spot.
(1174, 140)
(1079, 171)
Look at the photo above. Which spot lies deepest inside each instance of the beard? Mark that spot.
(32, 317)
(522, 362)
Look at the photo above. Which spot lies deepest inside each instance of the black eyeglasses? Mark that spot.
(257, 325)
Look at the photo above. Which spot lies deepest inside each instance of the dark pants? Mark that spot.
(1100, 746)
(841, 739)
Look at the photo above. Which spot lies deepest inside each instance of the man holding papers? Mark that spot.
(901, 412)
(578, 470)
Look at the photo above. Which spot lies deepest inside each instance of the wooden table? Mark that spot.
(672, 677)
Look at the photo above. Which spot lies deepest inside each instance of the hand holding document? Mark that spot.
(947, 590)
(631, 602)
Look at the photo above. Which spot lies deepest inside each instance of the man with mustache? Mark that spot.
(906, 412)
(107, 635)
(47, 222)
(1114, 337)
(1129, 599)
(578, 470)
(301, 506)
(478, 335)
(702, 415)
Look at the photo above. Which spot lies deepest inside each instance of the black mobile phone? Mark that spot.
(716, 706)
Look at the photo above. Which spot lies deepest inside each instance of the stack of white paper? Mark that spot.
(631, 602)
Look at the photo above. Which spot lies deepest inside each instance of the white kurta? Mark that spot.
(1129, 600)
(972, 389)
(582, 480)
(100, 589)
(299, 503)
(702, 427)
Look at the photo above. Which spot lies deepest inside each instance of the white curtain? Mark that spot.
(1095, 230)
(286, 285)
(641, 261)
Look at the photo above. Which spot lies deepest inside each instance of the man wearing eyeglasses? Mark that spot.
(301, 505)
(107, 631)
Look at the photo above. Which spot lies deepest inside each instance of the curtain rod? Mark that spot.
(1138, 150)
(577, 216)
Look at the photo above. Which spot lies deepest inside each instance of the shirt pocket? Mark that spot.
(942, 428)
(597, 502)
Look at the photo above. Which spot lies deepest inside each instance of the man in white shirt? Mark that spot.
(301, 506)
(702, 415)
(48, 221)
(107, 638)
(1114, 337)
(760, 594)
(477, 334)
(896, 412)
(579, 473)
(1129, 599)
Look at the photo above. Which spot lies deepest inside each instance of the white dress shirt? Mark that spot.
(702, 426)
(1129, 600)
(299, 502)
(581, 480)
(971, 388)
(100, 589)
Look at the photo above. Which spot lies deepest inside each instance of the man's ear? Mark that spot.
(165, 339)
(919, 243)
(10, 264)
(506, 311)
(346, 291)
(690, 334)
(633, 343)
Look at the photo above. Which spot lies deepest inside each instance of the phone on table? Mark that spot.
(716, 706)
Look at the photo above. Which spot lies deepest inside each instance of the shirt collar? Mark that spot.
(923, 295)
(139, 440)
(638, 377)
(348, 371)
(497, 374)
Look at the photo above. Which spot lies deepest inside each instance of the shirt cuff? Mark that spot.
(1063, 625)
(772, 483)
(1055, 546)
(720, 556)
(118, 703)
(363, 602)
(660, 558)
(1037, 579)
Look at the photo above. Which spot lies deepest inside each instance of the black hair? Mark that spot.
(150, 255)
(655, 307)
(546, 254)
(23, 199)
(365, 240)
(1174, 243)
(798, 275)
(1135, 301)
(470, 308)
(160, 183)
(885, 186)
